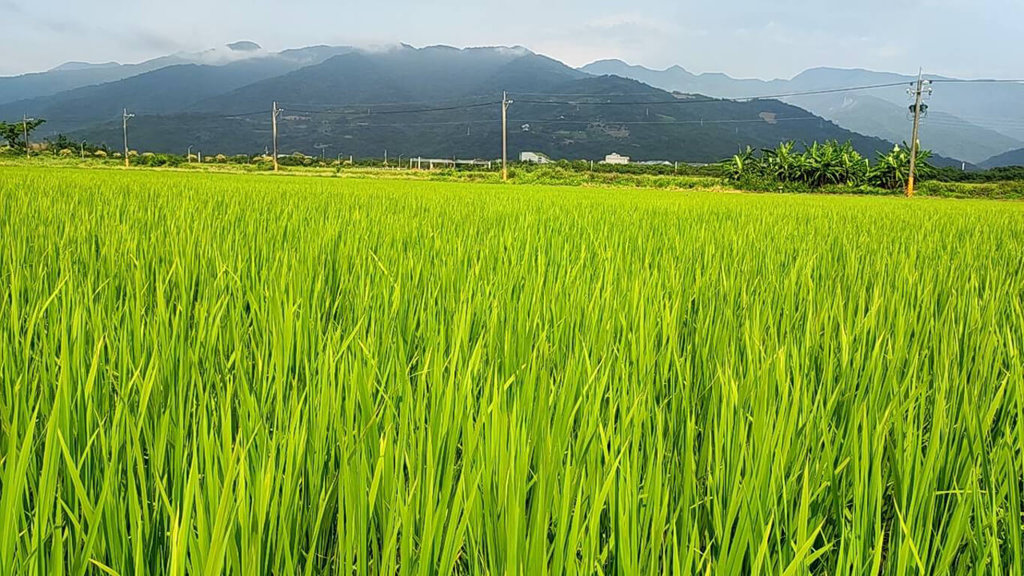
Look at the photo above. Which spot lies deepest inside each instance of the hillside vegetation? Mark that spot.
(433, 102)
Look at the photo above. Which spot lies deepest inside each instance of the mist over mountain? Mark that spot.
(72, 75)
(444, 102)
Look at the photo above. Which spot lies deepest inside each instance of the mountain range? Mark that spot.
(1011, 158)
(445, 102)
(971, 121)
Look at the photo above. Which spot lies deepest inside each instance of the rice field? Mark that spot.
(227, 374)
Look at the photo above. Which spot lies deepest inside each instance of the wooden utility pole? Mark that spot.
(124, 125)
(273, 121)
(505, 102)
(918, 93)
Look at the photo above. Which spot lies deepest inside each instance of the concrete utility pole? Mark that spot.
(273, 121)
(188, 155)
(920, 87)
(124, 125)
(24, 126)
(505, 103)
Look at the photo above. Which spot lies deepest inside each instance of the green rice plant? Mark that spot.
(207, 373)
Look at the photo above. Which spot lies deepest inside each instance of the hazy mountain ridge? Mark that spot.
(964, 118)
(73, 75)
(1011, 158)
(324, 91)
(163, 91)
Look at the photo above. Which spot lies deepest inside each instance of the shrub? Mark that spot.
(156, 160)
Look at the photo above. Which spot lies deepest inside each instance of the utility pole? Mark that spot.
(83, 149)
(505, 103)
(918, 93)
(188, 155)
(273, 120)
(124, 124)
(323, 151)
(24, 126)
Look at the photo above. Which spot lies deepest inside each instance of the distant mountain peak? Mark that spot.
(244, 46)
(609, 61)
(617, 67)
(70, 66)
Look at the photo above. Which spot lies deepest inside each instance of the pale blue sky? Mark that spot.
(749, 38)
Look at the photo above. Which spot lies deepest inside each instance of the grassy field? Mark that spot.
(243, 374)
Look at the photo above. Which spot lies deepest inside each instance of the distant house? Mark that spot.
(614, 158)
(534, 158)
(432, 163)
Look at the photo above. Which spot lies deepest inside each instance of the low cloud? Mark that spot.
(148, 41)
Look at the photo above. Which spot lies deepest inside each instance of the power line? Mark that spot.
(405, 124)
(381, 104)
(992, 124)
(631, 103)
(675, 122)
(577, 94)
(828, 91)
(367, 109)
(395, 112)
(608, 122)
(713, 100)
(979, 81)
(246, 114)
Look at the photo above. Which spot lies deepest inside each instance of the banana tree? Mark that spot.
(892, 170)
(741, 165)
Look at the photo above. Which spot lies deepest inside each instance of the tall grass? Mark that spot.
(212, 374)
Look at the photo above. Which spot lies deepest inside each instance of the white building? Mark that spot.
(614, 158)
(534, 158)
